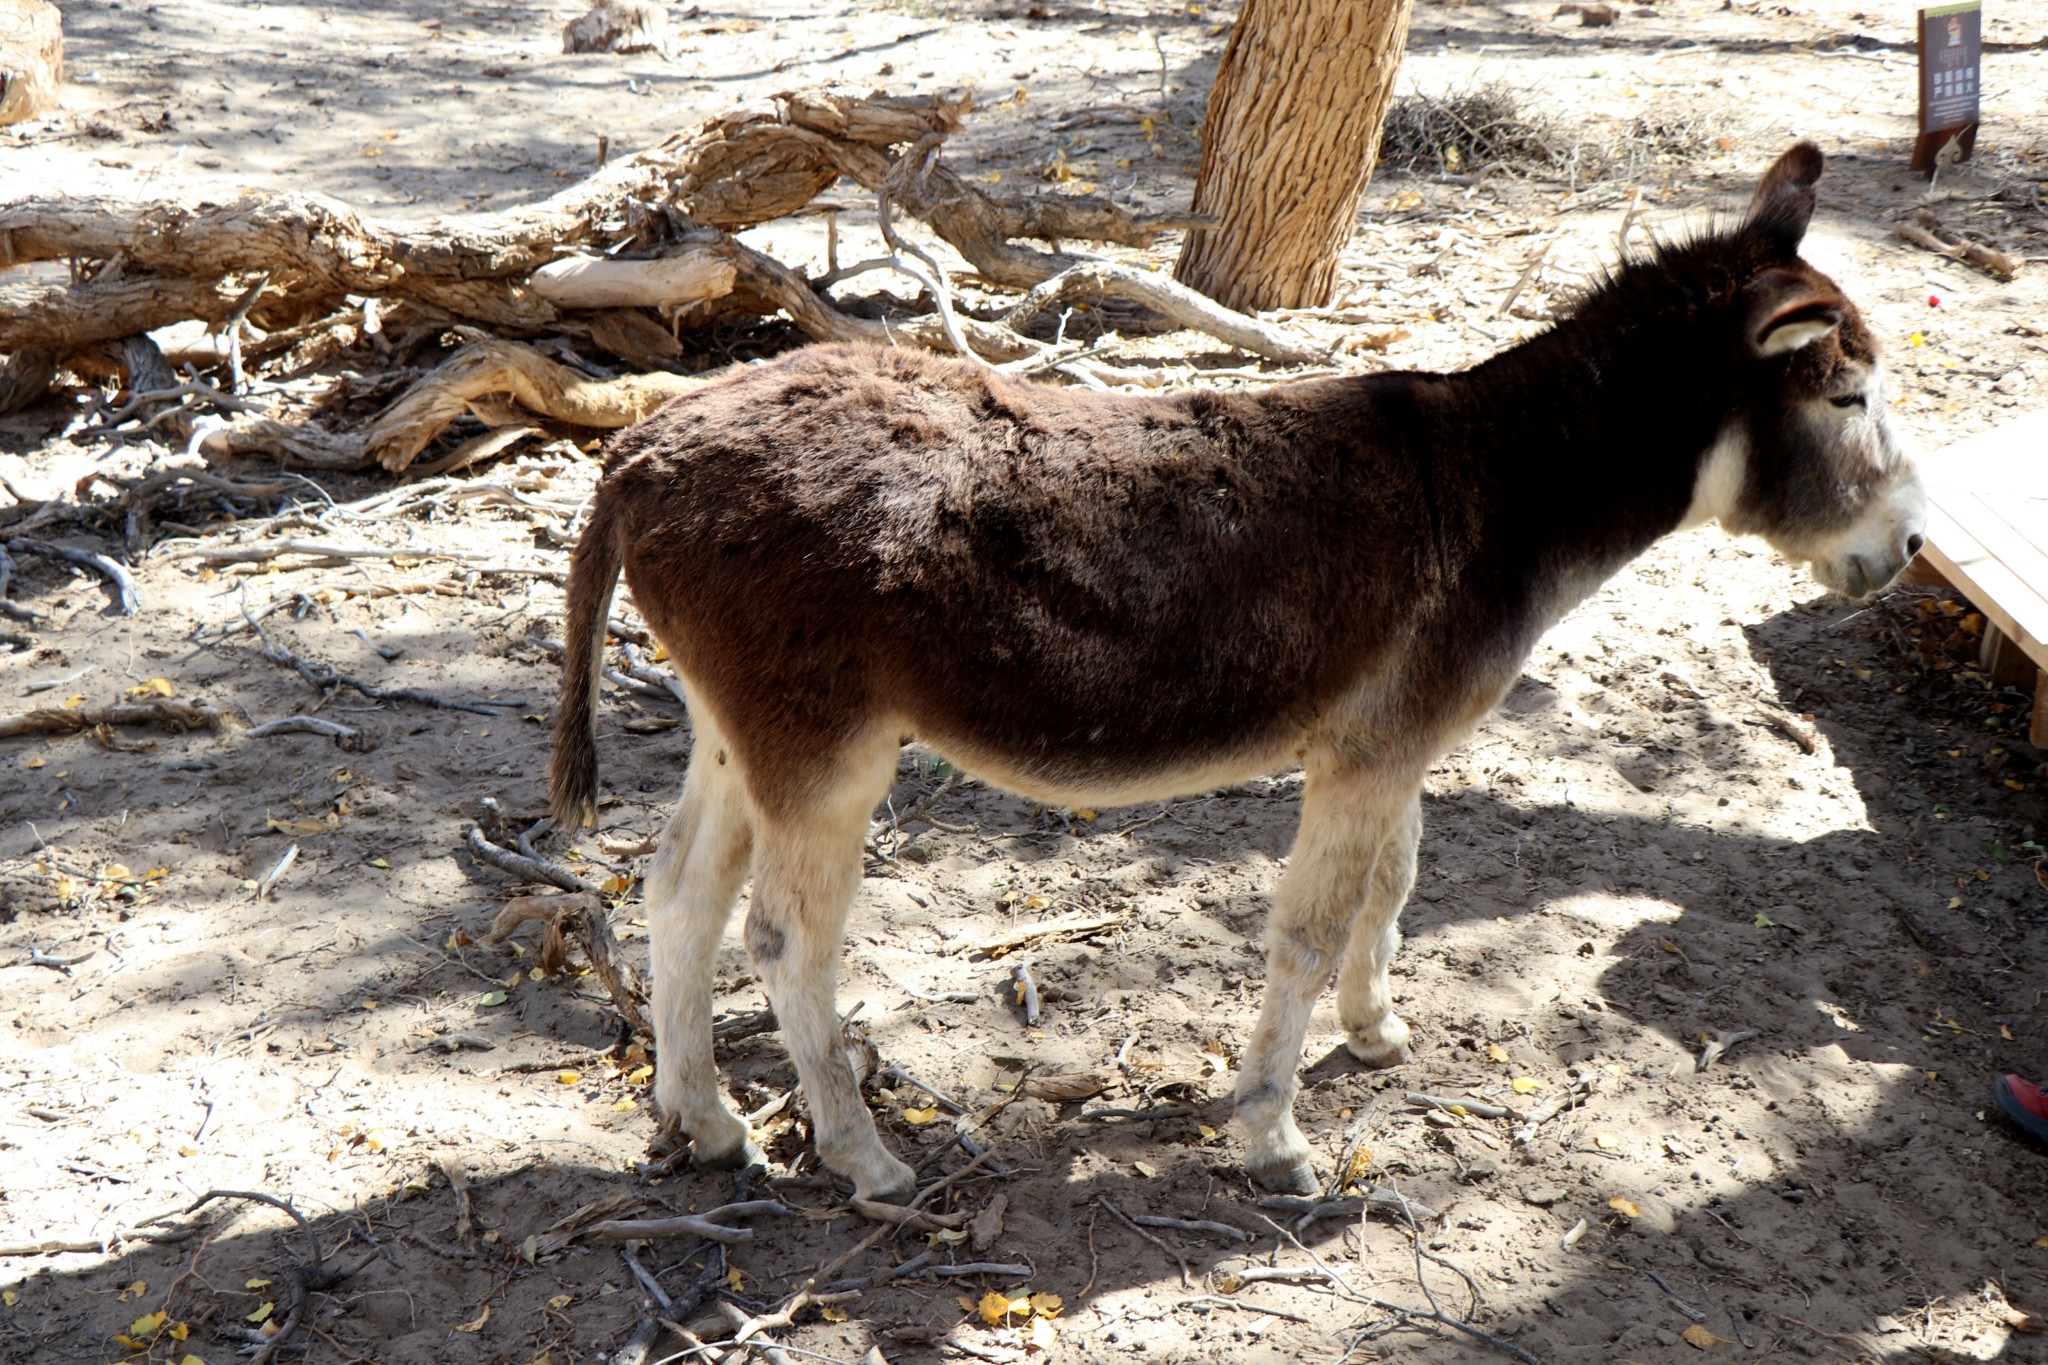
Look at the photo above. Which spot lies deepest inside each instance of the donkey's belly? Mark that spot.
(1078, 778)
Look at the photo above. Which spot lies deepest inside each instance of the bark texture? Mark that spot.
(1287, 147)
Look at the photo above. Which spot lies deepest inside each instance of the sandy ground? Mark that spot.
(1639, 852)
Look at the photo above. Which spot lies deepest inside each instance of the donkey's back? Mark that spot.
(1088, 597)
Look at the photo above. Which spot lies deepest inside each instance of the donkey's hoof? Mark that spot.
(1293, 1177)
(887, 1181)
(733, 1159)
(1381, 1044)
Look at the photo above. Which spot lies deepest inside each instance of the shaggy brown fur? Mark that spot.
(1093, 597)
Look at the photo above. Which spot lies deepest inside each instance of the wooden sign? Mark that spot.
(1951, 68)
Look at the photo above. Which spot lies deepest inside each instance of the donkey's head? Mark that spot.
(1810, 461)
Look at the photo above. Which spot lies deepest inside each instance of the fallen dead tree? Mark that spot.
(620, 261)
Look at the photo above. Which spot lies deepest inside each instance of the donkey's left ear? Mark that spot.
(1786, 312)
(1783, 204)
(1797, 327)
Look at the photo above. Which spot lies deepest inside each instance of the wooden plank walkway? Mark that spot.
(1987, 534)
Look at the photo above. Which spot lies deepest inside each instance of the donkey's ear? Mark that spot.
(1783, 203)
(1789, 313)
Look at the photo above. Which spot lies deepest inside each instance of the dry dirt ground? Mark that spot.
(1646, 847)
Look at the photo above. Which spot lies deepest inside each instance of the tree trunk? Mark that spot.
(1287, 147)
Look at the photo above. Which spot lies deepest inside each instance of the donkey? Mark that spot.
(1091, 598)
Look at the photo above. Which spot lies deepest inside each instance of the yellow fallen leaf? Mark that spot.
(305, 824)
(1700, 1336)
(72, 703)
(188, 1150)
(561, 1301)
(155, 687)
(476, 1324)
(9, 1298)
(263, 1314)
(1496, 1053)
(1355, 1173)
(2041, 1242)
(1606, 1142)
(255, 1284)
(1047, 1305)
(1625, 1207)
(1036, 902)
(34, 762)
(640, 1075)
(148, 1325)
(918, 1116)
(996, 1307)
(734, 1279)
(2005, 1032)
(1083, 813)
(1145, 1168)
(948, 1237)
(1955, 902)
(368, 1004)
(966, 1302)
(133, 1291)
(1040, 1336)
(375, 1139)
(568, 1077)
(832, 1314)
(1205, 1130)
(625, 1104)
(191, 1360)
(616, 886)
(178, 1331)
(1525, 1086)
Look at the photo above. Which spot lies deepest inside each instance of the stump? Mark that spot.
(31, 59)
(618, 26)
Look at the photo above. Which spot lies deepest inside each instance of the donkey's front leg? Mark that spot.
(1374, 1033)
(1346, 819)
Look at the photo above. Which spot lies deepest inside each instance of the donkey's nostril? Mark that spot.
(1913, 544)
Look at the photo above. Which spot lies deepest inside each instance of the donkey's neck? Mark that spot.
(1593, 440)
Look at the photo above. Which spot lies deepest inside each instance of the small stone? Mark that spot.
(1541, 1195)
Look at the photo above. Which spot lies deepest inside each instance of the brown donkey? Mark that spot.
(1092, 598)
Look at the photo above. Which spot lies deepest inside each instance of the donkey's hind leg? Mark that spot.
(1374, 1033)
(806, 871)
(695, 876)
(1347, 817)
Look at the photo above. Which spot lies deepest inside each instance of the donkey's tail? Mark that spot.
(593, 572)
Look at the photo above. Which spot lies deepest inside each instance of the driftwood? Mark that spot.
(31, 59)
(194, 256)
(51, 720)
(1927, 232)
(580, 918)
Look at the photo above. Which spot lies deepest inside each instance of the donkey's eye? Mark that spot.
(1850, 400)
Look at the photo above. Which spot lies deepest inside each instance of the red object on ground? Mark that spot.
(1934, 300)
(2025, 1103)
